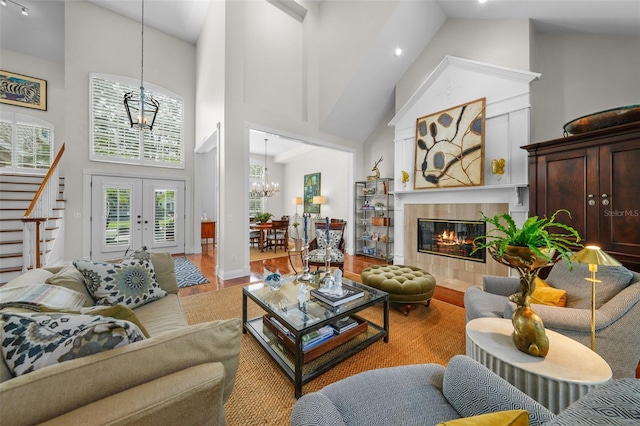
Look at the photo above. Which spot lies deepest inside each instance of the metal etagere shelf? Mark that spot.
(374, 218)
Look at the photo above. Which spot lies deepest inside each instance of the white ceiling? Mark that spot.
(41, 34)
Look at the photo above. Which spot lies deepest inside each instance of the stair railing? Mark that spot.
(40, 210)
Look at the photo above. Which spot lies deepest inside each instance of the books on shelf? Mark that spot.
(344, 324)
(350, 293)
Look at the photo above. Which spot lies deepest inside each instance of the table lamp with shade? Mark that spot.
(319, 199)
(594, 256)
(298, 202)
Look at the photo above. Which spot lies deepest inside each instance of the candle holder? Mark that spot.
(306, 275)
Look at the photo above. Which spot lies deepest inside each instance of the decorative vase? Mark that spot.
(297, 244)
(528, 330)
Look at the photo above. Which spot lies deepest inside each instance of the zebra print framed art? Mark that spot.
(23, 91)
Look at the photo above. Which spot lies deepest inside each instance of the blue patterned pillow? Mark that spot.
(131, 282)
(33, 341)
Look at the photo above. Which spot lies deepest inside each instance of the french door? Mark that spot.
(128, 213)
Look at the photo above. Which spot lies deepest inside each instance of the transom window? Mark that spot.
(26, 143)
(113, 139)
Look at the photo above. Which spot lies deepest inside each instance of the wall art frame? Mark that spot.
(450, 147)
(23, 91)
(311, 188)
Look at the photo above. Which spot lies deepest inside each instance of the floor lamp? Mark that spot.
(594, 256)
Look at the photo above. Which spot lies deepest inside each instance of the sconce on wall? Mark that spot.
(497, 167)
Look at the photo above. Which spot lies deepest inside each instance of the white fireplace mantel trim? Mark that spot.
(476, 66)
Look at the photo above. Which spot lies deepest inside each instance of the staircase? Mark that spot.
(16, 193)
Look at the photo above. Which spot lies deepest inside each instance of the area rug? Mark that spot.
(256, 254)
(187, 273)
(263, 395)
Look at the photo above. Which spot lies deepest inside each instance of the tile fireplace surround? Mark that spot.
(460, 269)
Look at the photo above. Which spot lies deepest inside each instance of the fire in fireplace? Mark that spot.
(452, 238)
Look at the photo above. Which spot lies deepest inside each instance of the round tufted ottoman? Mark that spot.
(405, 284)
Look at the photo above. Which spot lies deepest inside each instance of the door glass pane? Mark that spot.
(117, 208)
(164, 216)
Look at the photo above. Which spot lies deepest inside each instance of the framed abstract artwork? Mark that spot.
(24, 91)
(311, 188)
(450, 147)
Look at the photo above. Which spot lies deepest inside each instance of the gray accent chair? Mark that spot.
(428, 394)
(424, 394)
(617, 310)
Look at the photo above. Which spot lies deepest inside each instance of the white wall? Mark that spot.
(97, 40)
(581, 74)
(53, 72)
(247, 104)
(499, 42)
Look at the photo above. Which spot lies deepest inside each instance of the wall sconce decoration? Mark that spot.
(497, 167)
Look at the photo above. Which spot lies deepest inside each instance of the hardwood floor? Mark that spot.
(206, 261)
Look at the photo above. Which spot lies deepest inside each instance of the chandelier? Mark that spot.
(141, 111)
(265, 189)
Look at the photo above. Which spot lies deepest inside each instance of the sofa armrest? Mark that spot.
(558, 318)
(472, 389)
(86, 380)
(192, 396)
(315, 408)
(502, 286)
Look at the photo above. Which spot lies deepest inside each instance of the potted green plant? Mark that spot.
(534, 234)
(262, 217)
(527, 250)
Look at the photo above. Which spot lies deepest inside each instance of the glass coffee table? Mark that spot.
(280, 330)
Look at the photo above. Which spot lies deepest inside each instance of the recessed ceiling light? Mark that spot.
(482, 1)
(398, 51)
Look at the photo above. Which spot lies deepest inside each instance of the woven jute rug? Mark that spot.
(263, 395)
(255, 254)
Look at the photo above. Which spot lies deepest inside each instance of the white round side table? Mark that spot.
(569, 370)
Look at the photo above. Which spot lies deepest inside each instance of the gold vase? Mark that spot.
(528, 330)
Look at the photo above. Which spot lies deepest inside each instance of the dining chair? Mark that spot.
(278, 235)
(318, 246)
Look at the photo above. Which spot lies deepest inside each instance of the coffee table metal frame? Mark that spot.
(323, 314)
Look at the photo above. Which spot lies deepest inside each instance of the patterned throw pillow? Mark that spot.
(131, 282)
(33, 341)
(334, 238)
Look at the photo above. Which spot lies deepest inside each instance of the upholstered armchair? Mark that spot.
(318, 246)
(617, 318)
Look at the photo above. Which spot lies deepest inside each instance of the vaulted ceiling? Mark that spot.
(369, 94)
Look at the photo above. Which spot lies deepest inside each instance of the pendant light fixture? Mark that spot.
(265, 189)
(142, 110)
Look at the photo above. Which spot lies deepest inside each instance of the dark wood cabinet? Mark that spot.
(596, 176)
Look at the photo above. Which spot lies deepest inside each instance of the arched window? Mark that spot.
(26, 143)
(113, 139)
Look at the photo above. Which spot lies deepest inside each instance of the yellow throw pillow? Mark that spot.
(500, 418)
(544, 294)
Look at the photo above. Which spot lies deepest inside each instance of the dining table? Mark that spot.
(263, 227)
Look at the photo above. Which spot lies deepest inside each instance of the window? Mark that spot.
(256, 204)
(26, 143)
(113, 139)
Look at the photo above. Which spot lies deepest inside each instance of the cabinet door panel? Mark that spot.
(620, 186)
(566, 181)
